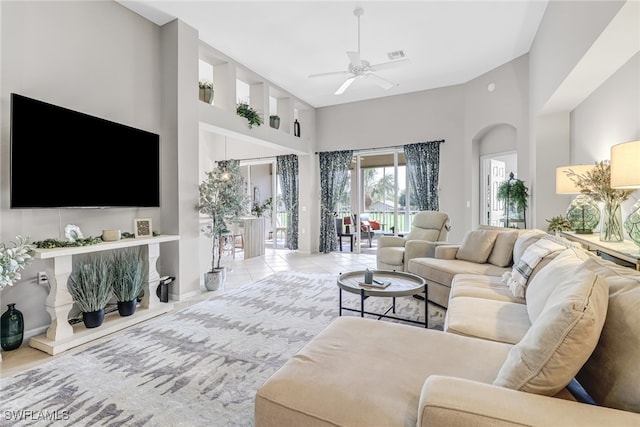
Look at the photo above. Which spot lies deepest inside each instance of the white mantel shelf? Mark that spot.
(62, 336)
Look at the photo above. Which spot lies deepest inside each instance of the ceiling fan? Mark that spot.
(360, 68)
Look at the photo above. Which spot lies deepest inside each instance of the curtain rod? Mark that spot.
(266, 159)
(382, 148)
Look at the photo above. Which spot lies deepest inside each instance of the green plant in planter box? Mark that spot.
(90, 284)
(252, 116)
(558, 223)
(128, 274)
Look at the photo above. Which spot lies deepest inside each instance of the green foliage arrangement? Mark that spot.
(55, 243)
(516, 192)
(90, 284)
(597, 184)
(252, 116)
(13, 259)
(222, 199)
(259, 209)
(128, 274)
(558, 223)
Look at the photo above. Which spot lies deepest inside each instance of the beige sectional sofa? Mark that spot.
(502, 359)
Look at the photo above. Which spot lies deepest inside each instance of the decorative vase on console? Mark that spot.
(611, 228)
(597, 183)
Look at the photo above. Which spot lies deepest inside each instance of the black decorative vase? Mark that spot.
(127, 308)
(296, 128)
(11, 328)
(93, 319)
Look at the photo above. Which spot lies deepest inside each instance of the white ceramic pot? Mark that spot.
(213, 280)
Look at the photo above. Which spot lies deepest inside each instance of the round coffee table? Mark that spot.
(401, 284)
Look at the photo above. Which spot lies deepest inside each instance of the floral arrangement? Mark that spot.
(597, 184)
(14, 259)
(205, 84)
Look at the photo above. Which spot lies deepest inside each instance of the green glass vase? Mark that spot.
(11, 328)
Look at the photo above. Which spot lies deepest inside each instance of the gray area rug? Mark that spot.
(199, 366)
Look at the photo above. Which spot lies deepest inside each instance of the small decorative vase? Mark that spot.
(93, 319)
(274, 122)
(611, 228)
(206, 95)
(296, 128)
(127, 308)
(11, 328)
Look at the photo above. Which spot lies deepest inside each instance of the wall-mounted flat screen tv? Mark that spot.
(62, 158)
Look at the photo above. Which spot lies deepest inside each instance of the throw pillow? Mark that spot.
(561, 340)
(375, 225)
(502, 253)
(524, 240)
(477, 245)
(559, 269)
(517, 278)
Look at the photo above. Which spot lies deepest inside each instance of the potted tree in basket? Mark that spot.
(90, 288)
(128, 279)
(223, 200)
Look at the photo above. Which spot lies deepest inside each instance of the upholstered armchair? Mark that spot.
(428, 228)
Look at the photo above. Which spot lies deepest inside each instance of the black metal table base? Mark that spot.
(391, 308)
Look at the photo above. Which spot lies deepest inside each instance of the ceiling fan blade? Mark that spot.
(383, 83)
(345, 85)
(354, 57)
(330, 73)
(390, 64)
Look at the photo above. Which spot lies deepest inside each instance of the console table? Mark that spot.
(61, 335)
(625, 252)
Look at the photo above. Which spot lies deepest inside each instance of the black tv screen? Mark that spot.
(64, 158)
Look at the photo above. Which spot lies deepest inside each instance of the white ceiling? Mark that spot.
(447, 42)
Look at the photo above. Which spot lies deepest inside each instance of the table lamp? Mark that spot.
(583, 213)
(347, 224)
(625, 174)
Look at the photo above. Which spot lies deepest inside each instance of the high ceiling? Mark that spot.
(446, 42)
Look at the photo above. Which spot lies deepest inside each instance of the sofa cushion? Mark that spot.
(476, 246)
(502, 252)
(559, 269)
(443, 270)
(364, 372)
(482, 286)
(611, 374)
(561, 339)
(493, 320)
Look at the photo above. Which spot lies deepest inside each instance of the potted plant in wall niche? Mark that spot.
(223, 200)
(274, 121)
(128, 279)
(252, 116)
(90, 288)
(206, 91)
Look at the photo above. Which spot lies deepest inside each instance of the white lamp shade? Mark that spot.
(625, 165)
(564, 184)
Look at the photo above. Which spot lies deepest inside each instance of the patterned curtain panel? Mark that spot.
(287, 167)
(334, 171)
(423, 164)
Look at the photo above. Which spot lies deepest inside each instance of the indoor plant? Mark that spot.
(558, 223)
(12, 260)
(515, 194)
(128, 279)
(223, 200)
(206, 91)
(597, 184)
(252, 116)
(259, 209)
(90, 287)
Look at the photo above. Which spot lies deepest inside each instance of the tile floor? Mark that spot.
(241, 273)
